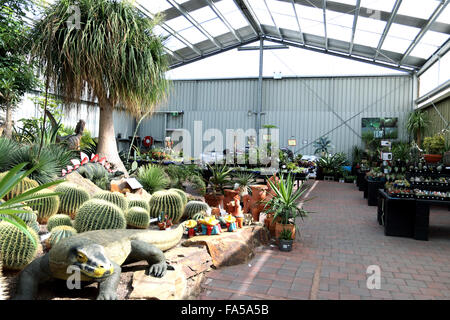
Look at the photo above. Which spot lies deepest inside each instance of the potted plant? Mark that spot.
(434, 147)
(220, 177)
(417, 122)
(285, 204)
(243, 181)
(285, 241)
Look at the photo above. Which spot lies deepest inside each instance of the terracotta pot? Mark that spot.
(214, 200)
(272, 226)
(215, 211)
(432, 158)
(268, 220)
(279, 227)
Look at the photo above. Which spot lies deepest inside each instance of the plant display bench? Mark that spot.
(360, 176)
(397, 215)
(372, 191)
(364, 187)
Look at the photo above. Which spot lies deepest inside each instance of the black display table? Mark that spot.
(397, 215)
(360, 175)
(372, 191)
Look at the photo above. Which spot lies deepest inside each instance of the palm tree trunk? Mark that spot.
(8, 121)
(418, 138)
(107, 146)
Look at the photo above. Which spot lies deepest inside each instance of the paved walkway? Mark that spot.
(338, 242)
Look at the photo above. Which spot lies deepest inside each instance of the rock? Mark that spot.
(193, 260)
(170, 287)
(232, 248)
(88, 185)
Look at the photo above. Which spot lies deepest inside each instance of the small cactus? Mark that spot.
(167, 202)
(59, 233)
(16, 248)
(45, 207)
(58, 220)
(114, 197)
(71, 198)
(98, 214)
(193, 207)
(139, 203)
(138, 218)
(25, 184)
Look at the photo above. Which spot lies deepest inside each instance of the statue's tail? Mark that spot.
(164, 239)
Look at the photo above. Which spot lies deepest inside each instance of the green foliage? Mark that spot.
(152, 177)
(198, 215)
(357, 154)
(46, 207)
(244, 180)
(7, 149)
(220, 177)
(16, 248)
(434, 144)
(167, 202)
(285, 234)
(333, 163)
(30, 218)
(98, 214)
(97, 174)
(58, 220)
(116, 198)
(138, 218)
(71, 198)
(417, 122)
(322, 145)
(59, 233)
(194, 207)
(198, 184)
(401, 151)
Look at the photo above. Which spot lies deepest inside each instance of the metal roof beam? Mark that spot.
(355, 21)
(324, 9)
(273, 20)
(194, 23)
(223, 19)
(387, 27)
(250, 16)
(440, 8)
(302, 39)
(435, 57)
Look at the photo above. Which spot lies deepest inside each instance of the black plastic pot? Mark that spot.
(285, 245)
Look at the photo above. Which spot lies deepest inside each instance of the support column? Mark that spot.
(260, 90)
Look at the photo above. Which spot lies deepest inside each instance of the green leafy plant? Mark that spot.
(153, 178)
(417, 122)
(332, 164)
(244, 180)
(357, 154)
(220, 177)
(401, 151)
(285, 235)
(434, 144)
(322, 145)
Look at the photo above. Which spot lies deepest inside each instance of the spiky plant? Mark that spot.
(417, 123)
(58, 220)
(113, 53)
(153, 178)
(7, 148)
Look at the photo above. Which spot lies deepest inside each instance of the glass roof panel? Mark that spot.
(155, 6)
(433, 38)
(381, 5)
(179, 23)
(444, 17)
(160, 31)
(340, 19)
(215, 27)
(418, 8)
(285, 21)
(263, 16)
(350, 2)
(367, 38)
(193, 35)
(395, 44)
(174, 44)
(311, 20)
(280, 7)
(339, 33)
(370, 25)
(403, 32)
(423, 50)
(231, 13)
(203, 14)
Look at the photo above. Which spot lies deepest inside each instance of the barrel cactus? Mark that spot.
(25, 184)
(71, 198)
(16, 248)
(114, 197)
(30, 219)
(182, 195)
(138, 218)
(168, 202)
(59, 233)
(198, 215)
(45, 207)
(3, 284)
(97, 214)
(58, 220)
(139, 203)
(193, 207)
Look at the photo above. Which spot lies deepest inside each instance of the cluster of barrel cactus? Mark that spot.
(30, 218)
(16, 248)
(139, 203)
(25, 184)
(45, 207)
(97, 214)
(58, 220)
(71, 198)
(168, 203)
(116, 198)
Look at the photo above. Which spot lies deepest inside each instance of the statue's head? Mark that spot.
(80, 127)
(91, 260)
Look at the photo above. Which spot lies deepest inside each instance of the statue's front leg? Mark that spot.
(108, 287)
(141, 250)
(38, 271)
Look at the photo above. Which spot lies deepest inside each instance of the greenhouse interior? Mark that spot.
(225, 150)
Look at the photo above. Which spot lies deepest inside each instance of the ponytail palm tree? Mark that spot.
(108, 52)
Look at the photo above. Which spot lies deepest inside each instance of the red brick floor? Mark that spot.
(329, 261)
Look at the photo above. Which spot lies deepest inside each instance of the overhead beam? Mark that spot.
(440, 8)
(249, 15)
(324, 10)
(302, 39)
(252, 48)
(435, 57)
(223, 19)
(273, 20)
(355, 21)
(387, 27)
(194, 22)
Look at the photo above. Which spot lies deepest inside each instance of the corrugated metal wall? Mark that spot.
(303, 108)
(437, 123)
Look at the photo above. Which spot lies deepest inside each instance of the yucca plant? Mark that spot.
(112, 54)
(244, 180)
(220, 177)
(11, 208)
(153, 178)
(416, 124)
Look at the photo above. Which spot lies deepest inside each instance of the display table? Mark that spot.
(360, 175)
(397, 215)
(372, 191)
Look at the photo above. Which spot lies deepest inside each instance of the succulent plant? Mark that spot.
(193, 207)
(16, 248)
(71, 198)
(138, 218)
(20, 188)
(198, 215)
(58, 233)
(182, 195)
(114, 197)
(58, 220)
(98, 214)
(45, 207)
(139, 203)
(167, 202)
(30, 219)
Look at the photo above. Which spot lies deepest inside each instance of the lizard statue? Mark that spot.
(73, 140)
(98, 255)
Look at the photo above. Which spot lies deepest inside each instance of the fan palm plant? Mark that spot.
(417, 123)
(153, 178)
(244, 180)
(112, 55)
(219, 178)
(322, 145)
